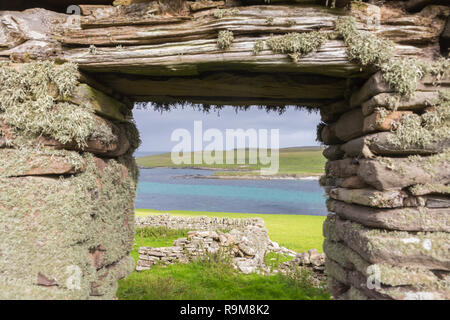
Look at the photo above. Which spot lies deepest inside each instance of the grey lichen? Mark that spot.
(92, 49)
(297, 44)
(54, 223)
(401, 74)
(433, 126)
(270, 21)
(221, 13)
(364, 47)
(31, 105)
(258, 47)
(225, 39)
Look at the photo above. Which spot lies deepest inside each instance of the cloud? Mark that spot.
(297, 127)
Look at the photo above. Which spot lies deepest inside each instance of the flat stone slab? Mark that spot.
(402, 219)
(16, 163)
(398, 173)
(387, 274)
(429, 250)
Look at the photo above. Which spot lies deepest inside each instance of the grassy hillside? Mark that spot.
(301, 161)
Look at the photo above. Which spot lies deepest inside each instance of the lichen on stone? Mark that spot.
(258, 46)
(55, 223)
(225, 39)
(17, 162)
(31, 105)
(221, 13)
(427, 188)
(433, 126)
(365, 47)
(297, 45)
(401, 74)
(270, 21)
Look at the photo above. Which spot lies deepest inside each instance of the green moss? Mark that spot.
(297, 44)
(29, 105)
(225, 39)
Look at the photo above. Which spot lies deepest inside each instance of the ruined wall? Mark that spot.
(68, 184)
(387, 177)
(246, 248)
(196, 223)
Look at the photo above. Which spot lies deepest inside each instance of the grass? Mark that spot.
(217, 280)
(205, 280)
(301, 161)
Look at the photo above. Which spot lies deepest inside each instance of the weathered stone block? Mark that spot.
(61, 228)
(15, 163)
(382, 121)
(380, 144)
(417, 102)
(399, 248)
(342, 168)
(397, 173)
(375, 198)
(405, 219)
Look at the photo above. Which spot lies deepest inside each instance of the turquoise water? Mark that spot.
(171, 189)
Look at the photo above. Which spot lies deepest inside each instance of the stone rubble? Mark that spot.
(247, 248)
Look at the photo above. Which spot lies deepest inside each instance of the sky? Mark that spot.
(296, 127)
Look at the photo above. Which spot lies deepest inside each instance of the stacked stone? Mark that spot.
(197, 223)
(247, 249)
(389, 235)
(66, 208)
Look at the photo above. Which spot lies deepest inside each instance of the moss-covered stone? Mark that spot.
(52, 226)
(29, 105)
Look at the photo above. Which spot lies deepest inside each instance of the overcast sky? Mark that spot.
(297, 127)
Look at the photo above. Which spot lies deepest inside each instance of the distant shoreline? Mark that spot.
(296, 163)
(311, 176)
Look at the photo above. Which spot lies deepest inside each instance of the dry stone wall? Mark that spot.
(68, 182)
(387, 177)
(247, 248)
(196, 223)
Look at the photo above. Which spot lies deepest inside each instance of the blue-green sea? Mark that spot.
(175, 189)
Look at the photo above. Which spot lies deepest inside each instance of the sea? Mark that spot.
(192, 190)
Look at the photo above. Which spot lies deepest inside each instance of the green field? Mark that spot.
(296, 232)
(217, 280)
(301, 161)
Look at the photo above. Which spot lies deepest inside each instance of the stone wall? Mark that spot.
(387, 177)
(196, 223)
(246, 247)
(69, 181)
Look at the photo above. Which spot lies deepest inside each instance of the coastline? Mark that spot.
(310, 176)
